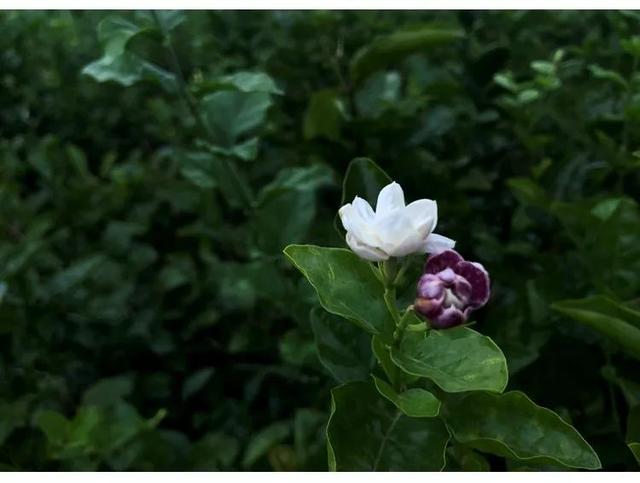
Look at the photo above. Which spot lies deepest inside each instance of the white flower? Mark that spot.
(393, 230)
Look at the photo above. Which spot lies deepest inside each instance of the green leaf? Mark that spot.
(635, 450)
(264, 440)
(120, 65)
(605, 233)
(325, 116)
(367, 433)
(506, 80)
(296, 348)
(108, 391)
(632, 45)
(291, 196)
(345, 284)
(231, 114)
(415, 402)
(610, 318)
(309, 442)
(74, 275)
(214, 452)
(246, 151)
(196, 381)
(54, 425)
(382, 352)
(251, 82)
(457, 360)
(543, 67)
(606, 74)
(528, 95)
(461, 457)
(363, 178)
(513, 426)
(528, 192)
(342, 347)
(378, 93)
(389, 50)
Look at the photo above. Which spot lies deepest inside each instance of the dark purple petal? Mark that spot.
(462, 288)
(447, 259)
(449, 317)
(478, 277)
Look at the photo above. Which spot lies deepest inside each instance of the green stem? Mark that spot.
(390, 300)
(191, 104)
(401, 327)
(400, 273)
(180, 81)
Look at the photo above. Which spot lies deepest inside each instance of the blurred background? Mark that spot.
(153, 165)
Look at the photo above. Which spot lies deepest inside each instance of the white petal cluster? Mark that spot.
(393, 229)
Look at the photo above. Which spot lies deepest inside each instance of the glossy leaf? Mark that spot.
(232, 114)
(119, 64)
(363, 178)
(342, 348)
(291, 196)
(251, 82)
(368, 433)
(610, 318)
(457, 359)
(391, 49)
(345, 284)
(513, 426)
(414, 402)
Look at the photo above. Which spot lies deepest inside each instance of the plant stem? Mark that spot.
(401, 272)
(180, 81)
(390, 301)
(401, 327)
(183, 91)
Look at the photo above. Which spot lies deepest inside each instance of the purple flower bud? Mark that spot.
(450, 288)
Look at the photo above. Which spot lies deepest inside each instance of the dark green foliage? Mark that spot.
(154, 165)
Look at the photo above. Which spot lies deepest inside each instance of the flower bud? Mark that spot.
(450, 288)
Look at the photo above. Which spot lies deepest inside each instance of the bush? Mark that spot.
(155, 165)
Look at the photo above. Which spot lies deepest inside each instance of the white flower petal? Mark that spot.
(354, 223)
(347, 216)
(364, 209)
(437, 243)
(423, 212)
(365, 251)
(390, 198)
(393, 229)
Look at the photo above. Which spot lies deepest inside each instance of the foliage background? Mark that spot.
(147, 317)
